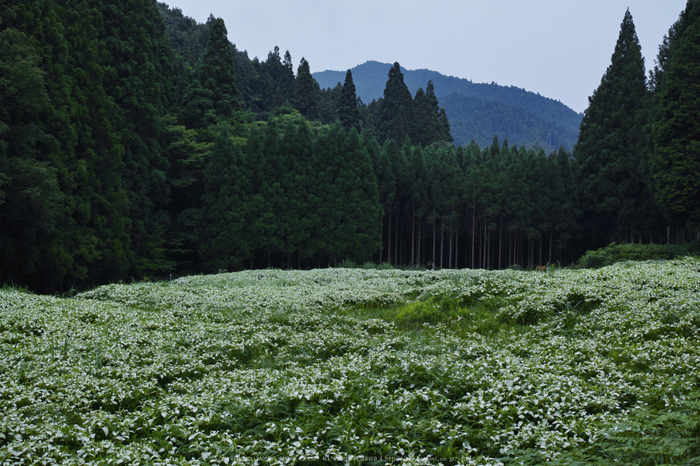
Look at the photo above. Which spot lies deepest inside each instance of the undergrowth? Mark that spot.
(614, 253)
(359, 366)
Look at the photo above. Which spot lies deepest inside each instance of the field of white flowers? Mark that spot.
(351, 366)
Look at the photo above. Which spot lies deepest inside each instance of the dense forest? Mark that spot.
(136, 143)
(477, 111)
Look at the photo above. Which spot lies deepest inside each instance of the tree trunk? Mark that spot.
(500, 244)
(396, 239)
(457, 246)
(510, 249)
(420, 224)
(473, 229)
(434, 219)
(413, 234)
(483, 264)
(442, 245)
(388, 247)
(382, 243)
(401, 248)
(449, 261)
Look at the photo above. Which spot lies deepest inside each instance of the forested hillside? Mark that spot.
(477, 111)
(136, 143)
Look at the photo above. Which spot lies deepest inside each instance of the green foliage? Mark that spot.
(135, 142)
(29, 192)
(430, 122)
(610, 145)
(224, 218)
(614, 253)
(477, 111)
(339, 365)
(476, 119)
(188, 38)
(348, 110)
(306, 99)
(395, 120)
(675, 160)
(217, 73)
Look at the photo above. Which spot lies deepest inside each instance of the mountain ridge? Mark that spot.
(522, 116)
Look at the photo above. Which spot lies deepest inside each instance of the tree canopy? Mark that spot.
(137, 143)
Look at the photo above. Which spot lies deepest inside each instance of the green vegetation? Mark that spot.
(136, 143)
(476, 111)
(614, 253)
(359, 365)
(610, 148)
(675, 154)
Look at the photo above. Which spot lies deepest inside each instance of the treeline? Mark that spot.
(262, 86)
(295, 194)
(477, 111)
(110, 119)
(135, 143)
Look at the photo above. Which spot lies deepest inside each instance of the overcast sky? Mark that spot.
(559, 48)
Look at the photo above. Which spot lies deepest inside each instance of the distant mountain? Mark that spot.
(476, 111)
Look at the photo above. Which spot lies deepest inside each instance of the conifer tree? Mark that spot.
(294, 164)
(217, 70)
(90, 240)
(348, 111)
(608, 152)
(386, 182)
(29, 193)
(675, 161)
(138, 55)
(259, 208)
(442, 130)
(426, 124)
(417, 175)
(306, 99)
(225, 240)
(188, 158)
(286, 82)
(359, 232)
(396, 117)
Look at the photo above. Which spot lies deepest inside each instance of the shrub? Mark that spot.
(614, 253)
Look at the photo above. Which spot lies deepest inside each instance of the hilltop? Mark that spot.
(476, 111)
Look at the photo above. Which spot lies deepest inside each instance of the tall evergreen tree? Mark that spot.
(225, 242)
(442, 130)
(330, 104)
(359, 231)
(608, 152)
(188, 157)
(29, 193)
(348, 111)
(675, 162)
(306, 99)
(137, 78)
(217, 70)
(90, 243)
(425, 122)
(417, 173)
(396, 117)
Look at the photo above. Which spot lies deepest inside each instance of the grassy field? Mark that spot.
(350, 366)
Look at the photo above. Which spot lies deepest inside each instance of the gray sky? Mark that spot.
(559, 48)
